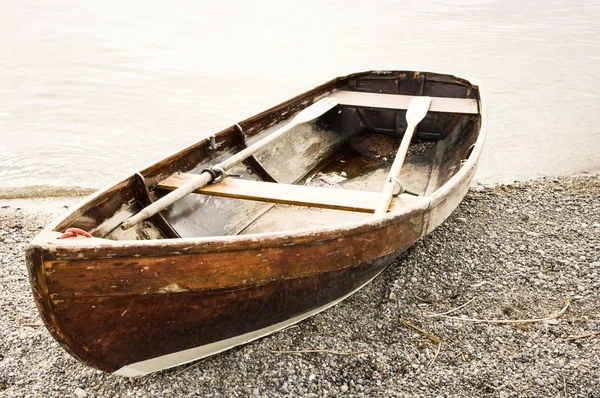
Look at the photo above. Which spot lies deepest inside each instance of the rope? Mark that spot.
(75, 233)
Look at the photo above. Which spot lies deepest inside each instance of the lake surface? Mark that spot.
(91, 91)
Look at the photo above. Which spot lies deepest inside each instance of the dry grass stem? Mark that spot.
(30, 324)
(521, 327)
(437, 352)
(431, 314)
(501, 321)
(320, 351)
(582, 336)
(422, 300)
(431, 337)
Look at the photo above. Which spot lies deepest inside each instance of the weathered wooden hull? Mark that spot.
(183, 297)
(133, 307)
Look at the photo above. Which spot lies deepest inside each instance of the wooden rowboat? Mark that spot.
(299, 213)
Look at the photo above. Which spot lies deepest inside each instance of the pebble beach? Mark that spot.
(502, 300)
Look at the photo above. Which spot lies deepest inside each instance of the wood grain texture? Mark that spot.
(166, 272)
(251, 161)
(137, 328)
(178, 300)
(294, 155)
(401, 102)
(299, 195)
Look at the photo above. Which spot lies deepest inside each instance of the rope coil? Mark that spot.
(75, 233)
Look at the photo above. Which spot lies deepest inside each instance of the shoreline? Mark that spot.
(33, 192)
(44, 192)
(517, 251)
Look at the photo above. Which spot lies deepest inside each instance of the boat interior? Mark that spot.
(327, 171)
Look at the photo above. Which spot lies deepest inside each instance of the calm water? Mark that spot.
(90, 91)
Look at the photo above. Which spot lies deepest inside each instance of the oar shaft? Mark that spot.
(203, 179)
(308, 114)
(257, 146)
(166, 201)
(390, 183)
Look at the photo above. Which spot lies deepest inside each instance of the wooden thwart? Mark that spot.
(299, 195)
(401, 102)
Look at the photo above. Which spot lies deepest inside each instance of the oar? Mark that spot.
(417, 109)
(310, 113)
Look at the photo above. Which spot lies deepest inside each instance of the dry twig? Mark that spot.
(319, 351)
(501, 321)
(431, 337)
(431, 314)
(582, 336)
(30, 324)
(422, 300)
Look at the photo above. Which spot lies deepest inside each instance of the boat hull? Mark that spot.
(131, 307)
(185, 297)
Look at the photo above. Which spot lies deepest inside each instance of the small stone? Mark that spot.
(80, 393)
(539, 382)
(392, 296)
(413, 279)
(311, 377)
(461, 220)
(344, 387)
(525, 217)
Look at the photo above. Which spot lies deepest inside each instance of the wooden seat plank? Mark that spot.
(401, 102)
(299, 195)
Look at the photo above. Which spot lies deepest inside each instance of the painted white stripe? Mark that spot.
(182, 357)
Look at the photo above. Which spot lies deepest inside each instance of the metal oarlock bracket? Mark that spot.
(217, 173)
(401, 189)
(212, 143)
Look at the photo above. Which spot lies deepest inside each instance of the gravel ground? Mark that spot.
(518, 251)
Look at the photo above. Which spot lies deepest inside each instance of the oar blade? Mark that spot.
(315, 110)
(417, 109)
